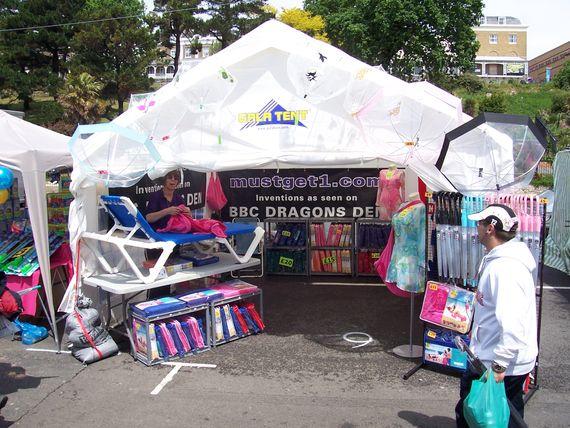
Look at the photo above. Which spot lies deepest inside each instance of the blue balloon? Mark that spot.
(6, 178)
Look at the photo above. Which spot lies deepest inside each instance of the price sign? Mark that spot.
(286, 233)
(286, 261)
(329, 260)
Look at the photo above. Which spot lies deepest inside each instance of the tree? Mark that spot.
(116, 51)
(228, 20)
(304, 21)
(34, 48)
(562, 78)
(176, 20)
(403, 35)
(81, 100)
(493, 103)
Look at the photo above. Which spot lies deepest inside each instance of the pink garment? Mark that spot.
(382, 264)
(61, 257)
(184, 223)
(390, 192)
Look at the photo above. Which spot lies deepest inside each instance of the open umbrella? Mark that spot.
(491, 152)
(111, 154)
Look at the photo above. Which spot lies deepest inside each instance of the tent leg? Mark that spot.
(52, 323)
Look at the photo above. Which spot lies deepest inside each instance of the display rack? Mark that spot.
(144, 328)
(286, 246)
(371, 236)
(127, 285)
(437, 270)
(331, 246)
(257, 294)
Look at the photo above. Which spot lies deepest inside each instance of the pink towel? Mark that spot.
(182, 336)
(184, 223)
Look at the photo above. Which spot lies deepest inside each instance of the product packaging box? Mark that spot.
(440, 348)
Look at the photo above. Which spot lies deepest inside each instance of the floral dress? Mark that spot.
(407, 265)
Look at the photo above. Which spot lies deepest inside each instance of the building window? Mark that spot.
(160, 70)
(512, 39)
(482, 20)
(501, 20)
(187, 52)
(150, 70)
(205, 51)
(493, 39)
(170, 69)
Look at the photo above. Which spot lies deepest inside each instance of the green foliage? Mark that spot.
(469, 82)
(227, 20)
(44, 111)
(563, 137)
(80, 97)
(116, 51)
(177, 19)
(33, 60)
(562, 78)
(561, 105)
(471, 106)
(401, 35)
(543, 181)
(495, 103)
(530, 100)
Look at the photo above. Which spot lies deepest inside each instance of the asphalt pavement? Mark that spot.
(300, 372)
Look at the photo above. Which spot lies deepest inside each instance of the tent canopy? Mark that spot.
(33, 150)
(279, 98)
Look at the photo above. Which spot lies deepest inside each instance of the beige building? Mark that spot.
(502, 53)
(544, 67)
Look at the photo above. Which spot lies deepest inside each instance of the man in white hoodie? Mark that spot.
(504, 331)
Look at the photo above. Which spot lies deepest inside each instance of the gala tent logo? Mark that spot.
(272, 113)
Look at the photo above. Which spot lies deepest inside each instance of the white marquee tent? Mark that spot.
(276, 98)
(32, 151)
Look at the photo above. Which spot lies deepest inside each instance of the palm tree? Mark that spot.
(80, 99)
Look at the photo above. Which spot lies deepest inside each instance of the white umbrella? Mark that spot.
(491, 152)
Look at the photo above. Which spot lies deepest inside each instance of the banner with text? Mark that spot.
(296, 193)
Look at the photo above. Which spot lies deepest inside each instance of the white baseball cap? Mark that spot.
(501, 216)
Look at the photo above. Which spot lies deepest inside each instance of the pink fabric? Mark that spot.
(168, 340)
(182, 336)
(390, 193)
(61, 257)
(215, 197)
(184, 223)
(382, 264)
(195, 331)
(226, 290)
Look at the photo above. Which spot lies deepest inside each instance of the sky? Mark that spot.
(547, 20)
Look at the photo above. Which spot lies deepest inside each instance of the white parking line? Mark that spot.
(47, 350)
(175, 369)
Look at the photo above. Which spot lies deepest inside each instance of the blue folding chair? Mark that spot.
(139, 233)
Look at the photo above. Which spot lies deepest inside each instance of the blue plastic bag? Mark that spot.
(486, 405)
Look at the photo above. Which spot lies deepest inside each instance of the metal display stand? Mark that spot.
(411, 350)
(127, 285)
(217, 303)
(533, 384)
(145, 322)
